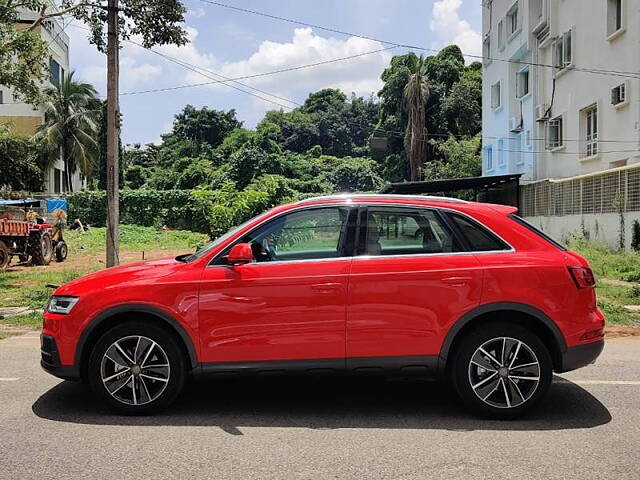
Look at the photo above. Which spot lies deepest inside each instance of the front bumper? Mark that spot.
(581, 355)
(50, 360)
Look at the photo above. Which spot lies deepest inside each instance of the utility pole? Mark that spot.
(113, 135)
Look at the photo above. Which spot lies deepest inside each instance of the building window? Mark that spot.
(619, 95)
(614, 16)
(1, 97)
(563, 50)
(487, 16)
(495, 95)
(486, 50)
(512, 20)
(590, 118)
(500, 34)
(489, 158)
(54, 72)
(554, 133)
(522, 82)
(501, 152)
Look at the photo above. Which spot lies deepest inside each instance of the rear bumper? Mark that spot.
(50, 360)
(581, 355)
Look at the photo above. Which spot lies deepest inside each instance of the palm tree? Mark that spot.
(415, 95)
(70, 128)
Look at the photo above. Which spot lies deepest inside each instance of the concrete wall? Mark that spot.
(601, 228)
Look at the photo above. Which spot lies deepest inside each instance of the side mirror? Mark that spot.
(240, 254)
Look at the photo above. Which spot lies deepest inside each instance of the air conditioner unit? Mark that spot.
(515, 124)
(542, 112)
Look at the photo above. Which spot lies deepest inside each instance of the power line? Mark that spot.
(263, 74)
(596, 71)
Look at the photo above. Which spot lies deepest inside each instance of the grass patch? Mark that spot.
(621, 265)
(134, 238)
(31, 320)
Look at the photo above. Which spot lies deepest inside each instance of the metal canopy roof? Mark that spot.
(451, 185)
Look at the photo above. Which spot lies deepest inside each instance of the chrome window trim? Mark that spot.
(369, 204)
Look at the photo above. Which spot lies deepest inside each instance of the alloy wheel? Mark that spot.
(504, 372)
(135, 370)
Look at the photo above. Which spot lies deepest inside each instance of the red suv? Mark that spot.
(357, 283)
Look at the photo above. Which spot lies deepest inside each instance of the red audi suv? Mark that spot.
(384, 284)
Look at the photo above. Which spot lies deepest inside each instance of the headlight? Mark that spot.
(61, 305)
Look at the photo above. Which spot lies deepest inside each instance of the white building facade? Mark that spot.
(561, 87)
(561, 106)
(25, 119)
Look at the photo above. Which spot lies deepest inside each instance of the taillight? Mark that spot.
(582, 276)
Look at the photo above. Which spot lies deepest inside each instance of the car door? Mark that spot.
(411, 280)
(290, 303)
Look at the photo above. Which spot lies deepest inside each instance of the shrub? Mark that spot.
(635, 236)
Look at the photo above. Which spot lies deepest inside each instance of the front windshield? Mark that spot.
(210, 246)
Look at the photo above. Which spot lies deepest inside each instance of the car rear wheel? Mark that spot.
(502, 370)
(137, 368)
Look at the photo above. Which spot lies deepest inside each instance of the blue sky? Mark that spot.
(235, 44)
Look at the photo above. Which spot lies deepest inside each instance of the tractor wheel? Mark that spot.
(41, 249)
(5, 256)
(61, 251)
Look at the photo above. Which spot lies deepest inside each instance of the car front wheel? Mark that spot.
(502, 370)
(137, 368)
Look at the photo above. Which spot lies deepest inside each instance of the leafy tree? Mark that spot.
(20, 168)
(204, 125)
(458, 158)
(415, 95)
(23, 53)
(69, 130)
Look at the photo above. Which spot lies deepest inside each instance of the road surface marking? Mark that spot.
(9, 379)
(600, 382)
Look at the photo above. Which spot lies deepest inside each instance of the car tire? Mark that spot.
(137, 368)
(501, 370)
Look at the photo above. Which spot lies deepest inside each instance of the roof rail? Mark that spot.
(383, 195)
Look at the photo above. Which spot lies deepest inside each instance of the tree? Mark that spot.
(204, 125)
(70, 127)
(20, 168)
(415, 96)
(23, 53)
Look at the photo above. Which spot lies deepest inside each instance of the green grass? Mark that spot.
(135, 238)
(623, 266)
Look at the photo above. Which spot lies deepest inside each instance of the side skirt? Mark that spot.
(425, 365)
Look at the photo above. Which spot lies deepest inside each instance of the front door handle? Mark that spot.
(456, 280)
(325, 287)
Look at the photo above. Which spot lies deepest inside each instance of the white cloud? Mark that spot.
(360, 75)
(448, 25)
(195, 12)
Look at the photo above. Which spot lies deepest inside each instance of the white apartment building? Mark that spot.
(561, 87)
(25, 119)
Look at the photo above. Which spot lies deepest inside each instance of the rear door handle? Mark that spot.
(456, 280)
(325, 287)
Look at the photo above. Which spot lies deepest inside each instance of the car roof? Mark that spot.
(419, 200)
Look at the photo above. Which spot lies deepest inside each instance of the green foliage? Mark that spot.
(20, 168)
(457, 158)
(204, 125)
(23, 53)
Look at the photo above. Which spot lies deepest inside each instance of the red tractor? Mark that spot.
(25, 239)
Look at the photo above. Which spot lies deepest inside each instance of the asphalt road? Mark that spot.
(589, 427)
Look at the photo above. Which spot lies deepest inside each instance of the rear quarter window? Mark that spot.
(477, 236)
(538, 232)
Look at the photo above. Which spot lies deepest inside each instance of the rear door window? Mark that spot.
(400, 231)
